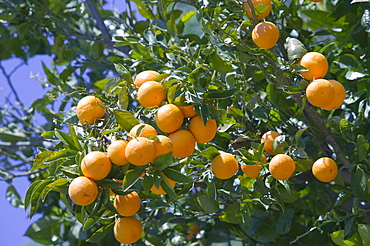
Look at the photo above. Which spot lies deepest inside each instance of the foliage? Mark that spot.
(206, 56)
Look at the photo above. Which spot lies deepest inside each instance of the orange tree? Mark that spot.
(243, 77)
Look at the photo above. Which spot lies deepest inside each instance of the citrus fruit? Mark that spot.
(202, 133)
(224, 166)
(127, 230)
(183, 143)
(127, 205)
(339, 95)
(89, 109)
(265, 35)
(253, 171)
(320, 92)
(116, 152)
(163, 147)
(316, 64)
(139, 151)
(325, 169)
(96, 165)
(147, 130)
(256, 3)
(281, 166)
(160, 191)
(188, 111)
(145, 76)
(169, 118)
(83, 191)
(194, 229)
(268, 139)
(151, 94)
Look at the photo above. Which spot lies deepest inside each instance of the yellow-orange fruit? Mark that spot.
(116, 152)
(127, 230)
(147, 130)
(127, 205)
(320, 92)
(316, 64)
(96, 165)
(339, 95)
(89, 109)
(253, 171)
(325, 169)
(160, 191)
(165, 146)
(259, 15)
(268, 139)
(145, 76)
(169, 118)
(83, 191)
(224, 166)
(282, 167)
(139, 151)
(151, 94)
(202, 133)
(183, 143)
(265, 35)
(188, 111)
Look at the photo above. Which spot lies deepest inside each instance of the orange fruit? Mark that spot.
(127, 205)
(116, 152)
(281, 166)
(163, 147)
(316, 64)
(89, 109)
(253, 171)
(193, 229)
(127, 230)
(83, 191)
(224, 166)
(339, 95)
(265, 35)
(320, 92)
(256, 3)
(188, 111)
(169, 118)
(325, 169)
(139, 151)
(151, 94)
(145, 76)
(183, 143)
(268, 139)
(202, 133)
(160, 191)
(96, 165)
(147, 130)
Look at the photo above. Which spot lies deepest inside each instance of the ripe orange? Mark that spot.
(160, 191)
(320, 92)
(253, 171)
(224, 166)
(339, 95)
(89, 109)
(183, 143)
(127, 205)
(148, 130)
(96, 165)
(165, 146)
(151, 94)
(316, 64)
(268, 139)
(139, 151)
(325, 169)
(281, 166)
(265, 35)
(169, 118)
(259, 15)
(202, 133)
(83, 191)
(145, 76)
(188, 111)
(127, 230)
(116, 152)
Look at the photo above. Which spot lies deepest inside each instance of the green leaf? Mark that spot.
(132, 177)
(9, 136)
(123, 71)
(101, 233)
(218, 64)
(50, 156)
(188, 15)
(111, 85)
(207, 205)
(123, 98)
(221, 94)
(66, 139)
(210, 153)
(284, 222)
(52, 186)
(35, 199)
(364, 231)
(42, 229)
(74, 137)
(232, 214)
(125, 119)
(299, 133)
(359, 184)
(338, 239)
(40, 159)
(171, 93)
(362, 147)
(27, 198)
(176, 175)
(163, 161)
(13, 197)
(295, 48)
(106, 132)
(108, 183)
(168, 189)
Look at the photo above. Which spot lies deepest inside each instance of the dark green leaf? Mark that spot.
(220, 65)
(232, 214)
(163, 161)
(168, 189)
(176, 175)
(132, 177)
(125, 119)
(42, 229)
(125, 74)
(284, 222)
(210, 153)
(13, 196)
(101, 233)
(207, 205)
(66, 139)
(362, 147)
